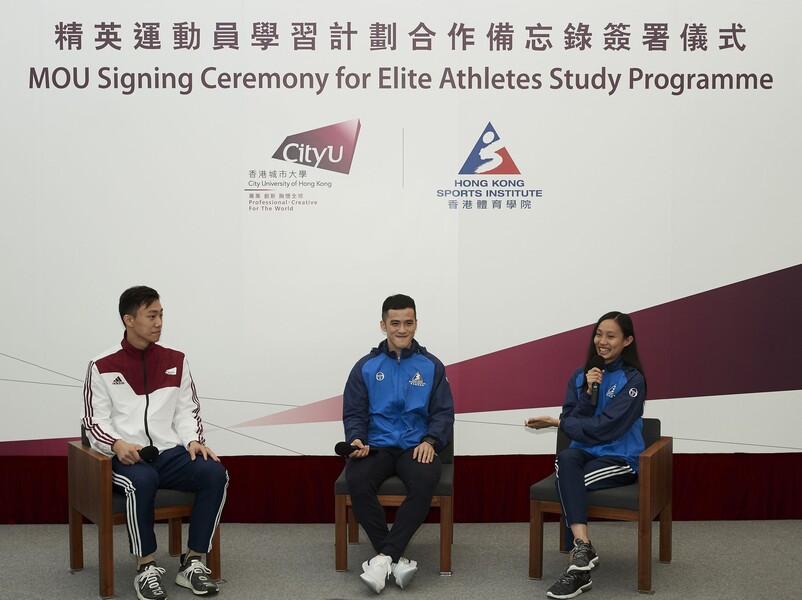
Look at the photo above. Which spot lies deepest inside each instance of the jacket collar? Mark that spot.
(616, 365)
(384, 348)
(133, 350)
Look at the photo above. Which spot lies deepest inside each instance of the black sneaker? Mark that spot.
(148, 582)
(570, 585)
(193, 574)
(583, 557)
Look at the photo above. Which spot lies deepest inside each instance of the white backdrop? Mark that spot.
(646, 196)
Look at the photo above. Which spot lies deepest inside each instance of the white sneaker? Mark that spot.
(376, 572)
(403, 571)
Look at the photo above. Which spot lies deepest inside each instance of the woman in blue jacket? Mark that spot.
(602, 416)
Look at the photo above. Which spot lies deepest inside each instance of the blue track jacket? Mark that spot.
(615, 427)
(392, 402)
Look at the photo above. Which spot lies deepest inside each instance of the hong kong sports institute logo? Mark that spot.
(331, 147)
(489, 156)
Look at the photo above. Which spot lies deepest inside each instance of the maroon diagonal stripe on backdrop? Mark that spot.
(737, 339)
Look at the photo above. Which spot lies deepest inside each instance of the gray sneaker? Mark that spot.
(583, 556)
(196, 576)
(570, 585)
(148, 582)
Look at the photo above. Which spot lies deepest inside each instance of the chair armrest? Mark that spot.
(656, 466)
(89, 481)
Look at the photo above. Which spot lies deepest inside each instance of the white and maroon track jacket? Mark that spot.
(130, 393)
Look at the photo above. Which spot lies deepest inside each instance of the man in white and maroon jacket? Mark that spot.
(141, 409)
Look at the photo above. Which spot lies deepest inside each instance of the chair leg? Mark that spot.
(213, 556)
(446, 533)
(563, 547)
(105, 544)
(340, 531)
(76, 540)
(174, 527)
(665, 534)
(353, 527)
(644, 553)
(536, 540)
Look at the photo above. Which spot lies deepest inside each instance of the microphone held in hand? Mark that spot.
(344, 449)
(149, 453)
(597, 362)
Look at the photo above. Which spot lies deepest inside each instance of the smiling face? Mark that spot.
(146, 327)
(400, 326)
(610, 341)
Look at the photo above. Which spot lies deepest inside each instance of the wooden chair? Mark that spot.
(642, 501)
(392, 493)
(91, 497)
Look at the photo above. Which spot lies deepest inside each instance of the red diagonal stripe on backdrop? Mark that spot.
(330, 409)
(737, 339)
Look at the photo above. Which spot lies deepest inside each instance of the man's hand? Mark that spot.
(196, 448)
(362, 452)
(127, 454)
(423, 452)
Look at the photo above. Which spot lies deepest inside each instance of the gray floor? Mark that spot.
(723, 559)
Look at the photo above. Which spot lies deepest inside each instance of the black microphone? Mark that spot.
(598, 362)
(344, 449)
(149, 453)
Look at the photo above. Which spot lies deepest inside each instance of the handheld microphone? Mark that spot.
(597, 362)
(149, 453)
(344, 449)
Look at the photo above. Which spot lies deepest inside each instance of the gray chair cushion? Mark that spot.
(624, 496)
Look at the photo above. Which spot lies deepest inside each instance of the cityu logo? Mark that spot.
(331, 147)
(489, 156)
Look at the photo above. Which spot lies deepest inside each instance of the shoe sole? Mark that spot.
(405, 578)
(592, 564)
(584, 588)
(372, 583)
(184, 582)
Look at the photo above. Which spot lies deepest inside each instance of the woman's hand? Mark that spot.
(594, 376)
(541, 422)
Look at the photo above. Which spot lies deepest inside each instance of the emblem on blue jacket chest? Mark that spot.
(417, 380)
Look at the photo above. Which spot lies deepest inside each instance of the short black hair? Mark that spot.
(398, 302)
(132, 298)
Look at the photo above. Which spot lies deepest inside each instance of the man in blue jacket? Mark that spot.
(398, 412)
